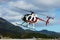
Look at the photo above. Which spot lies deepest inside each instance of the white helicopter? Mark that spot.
(33, 18)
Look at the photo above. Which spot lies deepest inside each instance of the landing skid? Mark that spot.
(21, 25)
(27, 27)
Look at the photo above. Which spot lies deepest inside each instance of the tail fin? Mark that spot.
(48, 20)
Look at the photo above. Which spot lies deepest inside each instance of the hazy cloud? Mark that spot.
(49, 5)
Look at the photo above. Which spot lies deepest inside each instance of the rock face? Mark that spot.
(9, 30)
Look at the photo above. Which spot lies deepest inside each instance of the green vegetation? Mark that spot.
(25, 35)
(9, 30)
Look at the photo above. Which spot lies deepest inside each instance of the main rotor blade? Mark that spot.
(40, 11)
(36, 11)
(22, 9)
(43, 14)
(28, 10)
(47, 16)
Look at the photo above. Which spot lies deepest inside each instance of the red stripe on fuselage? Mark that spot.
(33, 21)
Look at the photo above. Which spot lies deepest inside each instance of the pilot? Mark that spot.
(31, 17)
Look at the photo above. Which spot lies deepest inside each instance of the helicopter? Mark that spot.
(32, 18)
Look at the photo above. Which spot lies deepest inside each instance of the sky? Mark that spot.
(11, 10)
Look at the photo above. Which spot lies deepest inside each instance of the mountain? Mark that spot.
(7, 29)
(50, 33)
(7, 25)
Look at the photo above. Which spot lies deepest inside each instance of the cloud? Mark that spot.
(10, 15)
(35, 4)
(45, 4)
(2, 1)
(0, 15)
(23, 4)
(30, 5)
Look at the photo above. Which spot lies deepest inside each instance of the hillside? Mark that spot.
(9, 30)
